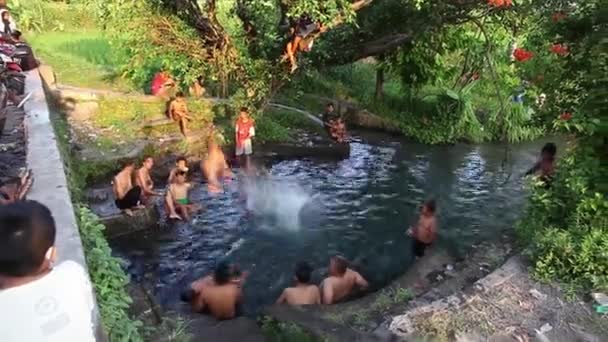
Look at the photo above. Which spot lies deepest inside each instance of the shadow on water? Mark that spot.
(359, 207)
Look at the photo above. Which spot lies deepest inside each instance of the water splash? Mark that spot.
(278, 202)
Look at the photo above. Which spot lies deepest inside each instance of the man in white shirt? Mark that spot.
(39, 302)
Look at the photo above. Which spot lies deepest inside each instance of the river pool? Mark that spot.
(359, 207)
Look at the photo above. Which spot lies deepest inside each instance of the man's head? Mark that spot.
(428, 207)
(6, 15)
(27, 236)
(179, 95)
(329, 107)
(129, 165)
(223, 273)
(548, 152)
(338, 266)
(180, 177)
(16, 35)
(244, 113)
(148, 163)
(303, 272)
(181, 163)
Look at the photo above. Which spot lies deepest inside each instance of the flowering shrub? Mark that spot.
(522, 55)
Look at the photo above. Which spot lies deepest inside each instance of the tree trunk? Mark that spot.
(379, 83)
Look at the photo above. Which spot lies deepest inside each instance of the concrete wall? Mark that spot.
(50, 184)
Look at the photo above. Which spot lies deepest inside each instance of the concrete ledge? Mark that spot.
(50, 183)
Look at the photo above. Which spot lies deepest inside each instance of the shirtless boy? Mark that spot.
(304, 293)
(144, 181)
(178, 111)
(219, 294)
(178, 196)
(341, 281)
(425, 232)
(215, 168)
(127, 196)
(181, 164)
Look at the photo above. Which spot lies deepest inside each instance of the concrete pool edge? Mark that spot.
(50, 183)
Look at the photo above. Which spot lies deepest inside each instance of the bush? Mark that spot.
(109, 279)
(567, 225)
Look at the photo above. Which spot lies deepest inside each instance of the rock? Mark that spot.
(383, 334)
(98, 195)
(537, 294)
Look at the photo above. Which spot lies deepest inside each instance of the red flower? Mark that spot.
(558, 16)
(559, 49)
(500, 3)
(522, 55)
(565, 116)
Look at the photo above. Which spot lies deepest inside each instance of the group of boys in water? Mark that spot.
(220, 294)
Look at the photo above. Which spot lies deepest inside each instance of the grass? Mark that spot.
(82, 58)
(285, 332)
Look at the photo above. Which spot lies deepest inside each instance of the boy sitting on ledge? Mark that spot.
(39, 302)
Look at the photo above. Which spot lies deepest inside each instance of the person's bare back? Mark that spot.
(122, 183)
(341, 282)
(301, 295)
(220, 294)
(221, 300)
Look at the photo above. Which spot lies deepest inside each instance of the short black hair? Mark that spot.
(303, 272)
(549, 149)
(16, 34)
(179, 94)
(222, 273)
(244, 109)
(431, 205)
(27, 231)
(181, 158)
(128, 162)
(341, 264)
(181, 173)
(329, 105)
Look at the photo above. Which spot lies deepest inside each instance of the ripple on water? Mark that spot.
(359, 207)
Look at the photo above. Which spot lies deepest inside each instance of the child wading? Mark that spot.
(40, 301)
(245, 130)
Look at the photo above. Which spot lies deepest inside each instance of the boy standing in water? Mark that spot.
(177, 195)
(245, 130)
(39, 301)
(304, 293)
(425, 232)
(215, 168)
(178, 111)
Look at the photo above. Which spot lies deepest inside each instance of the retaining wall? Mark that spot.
(50, 183)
